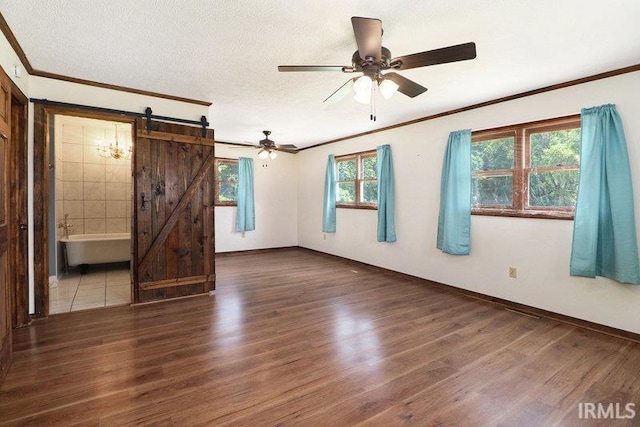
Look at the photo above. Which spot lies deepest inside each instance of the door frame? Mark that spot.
(18, 211)
(41, 141)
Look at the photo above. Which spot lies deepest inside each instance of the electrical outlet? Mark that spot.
(513, 272)
(324, 236)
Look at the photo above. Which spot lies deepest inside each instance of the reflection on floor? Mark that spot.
(102, 286)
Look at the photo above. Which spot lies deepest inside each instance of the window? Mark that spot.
(357, 180)
(528, 170)
(226, 190)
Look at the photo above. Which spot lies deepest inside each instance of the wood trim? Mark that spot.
(156, 301)
(358, 206)
(236, 144)
(371, 152)
(13, 42)
(165, 136)
(42, 114)
(5, 356)
(582, 80)
(522, 308)
(78, 112)
(41, 210)
(53, 76)
(529, 213)
(181, 281)
(257, 251)
(175, 215)
(11, 38)
(19, 246)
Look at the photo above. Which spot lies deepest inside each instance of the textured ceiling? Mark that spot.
(227, 52)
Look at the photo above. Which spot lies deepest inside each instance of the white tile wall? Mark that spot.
(93, 190)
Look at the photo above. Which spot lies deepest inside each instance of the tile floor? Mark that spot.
(102, 286)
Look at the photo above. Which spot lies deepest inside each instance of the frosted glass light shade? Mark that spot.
(362, 85)
(388, 88)
(263, 154)
(273, 155)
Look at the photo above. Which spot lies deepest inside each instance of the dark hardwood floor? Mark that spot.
(292, 337)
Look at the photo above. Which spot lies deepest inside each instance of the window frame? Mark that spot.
(522, 168)
(217, 182)
(358, 181)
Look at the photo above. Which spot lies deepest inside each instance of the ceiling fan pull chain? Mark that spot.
(373, 100)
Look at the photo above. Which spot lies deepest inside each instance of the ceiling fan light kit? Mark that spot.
(388, 88)
(268, 148)
(372, 59)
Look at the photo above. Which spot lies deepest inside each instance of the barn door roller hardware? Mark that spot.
(148, 113)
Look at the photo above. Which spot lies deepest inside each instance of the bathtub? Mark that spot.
(97, 248)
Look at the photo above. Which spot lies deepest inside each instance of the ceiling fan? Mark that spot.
(372, 59)
(268, 147)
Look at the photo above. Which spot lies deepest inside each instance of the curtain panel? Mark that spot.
(454, 219)
(386, 195)
(245, 213)
(329, 203)
(604, 228)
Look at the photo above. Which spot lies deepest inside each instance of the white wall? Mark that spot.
(275, 188)
(538, 248)
(9, 59)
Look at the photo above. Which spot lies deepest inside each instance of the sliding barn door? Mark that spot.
(5, 307)
(174, 207)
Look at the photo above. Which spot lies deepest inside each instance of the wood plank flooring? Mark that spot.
(293, 337)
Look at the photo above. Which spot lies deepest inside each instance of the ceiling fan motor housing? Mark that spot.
(369, 66)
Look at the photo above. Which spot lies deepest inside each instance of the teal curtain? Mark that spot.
(454, 220)
(386, 195)
(329, 205)
(245, 214)
(604, 229)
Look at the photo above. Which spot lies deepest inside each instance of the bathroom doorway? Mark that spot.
(89, 213)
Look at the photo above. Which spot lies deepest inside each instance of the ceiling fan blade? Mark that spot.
(288, 68)
(368, 32)
(406, 86)
(341, 92)
(444, 55)
(287, 148)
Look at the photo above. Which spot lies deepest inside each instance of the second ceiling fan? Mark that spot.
(372, 59)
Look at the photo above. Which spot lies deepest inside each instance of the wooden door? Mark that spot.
(5, 306)
(173, 212)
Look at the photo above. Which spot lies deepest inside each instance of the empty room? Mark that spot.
(319, 213)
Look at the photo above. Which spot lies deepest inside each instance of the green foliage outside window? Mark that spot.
(227, 181)
(357, 180)
(347, 173)
(549, 180)
(495, 190)
(493, 154)
(370, 179)
(556, 148)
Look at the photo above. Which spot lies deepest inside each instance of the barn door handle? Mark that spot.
(143, 202)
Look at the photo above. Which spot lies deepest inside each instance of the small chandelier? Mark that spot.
(114, 150)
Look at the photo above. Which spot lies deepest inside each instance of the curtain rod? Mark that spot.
(147, 113)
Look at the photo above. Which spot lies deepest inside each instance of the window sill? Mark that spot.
(366, 207)
(225, 204)
(568, 215)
